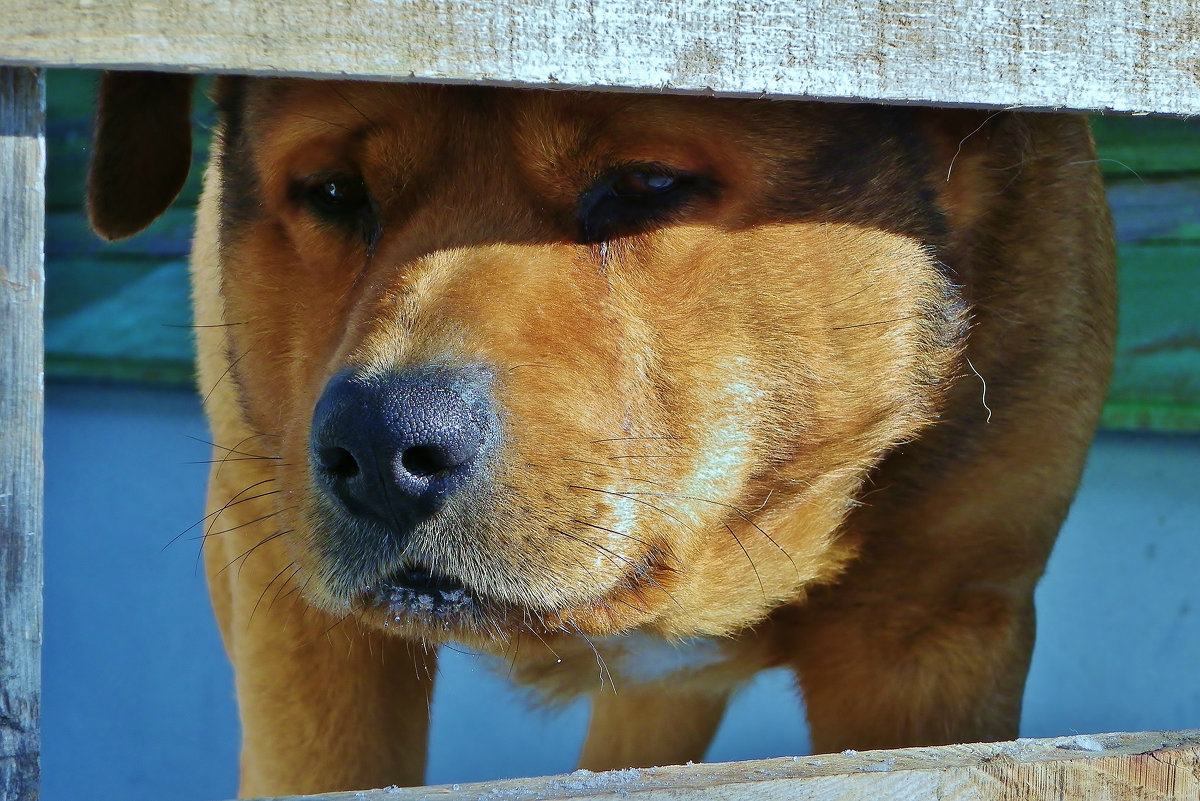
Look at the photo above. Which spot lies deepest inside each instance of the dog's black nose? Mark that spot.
(395, 447)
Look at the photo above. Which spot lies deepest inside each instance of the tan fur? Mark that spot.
(757, 428)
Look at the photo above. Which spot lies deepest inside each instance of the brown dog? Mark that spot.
(643, 394)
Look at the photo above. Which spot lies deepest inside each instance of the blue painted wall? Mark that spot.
(138, 697)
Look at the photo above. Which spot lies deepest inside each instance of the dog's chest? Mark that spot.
(562, 669)
(642, 659)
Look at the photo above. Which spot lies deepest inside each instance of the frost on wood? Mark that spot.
(1117, 767)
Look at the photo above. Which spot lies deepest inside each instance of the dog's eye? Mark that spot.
(643, 182)
(336, 196)
(341, 200)
(630, 199)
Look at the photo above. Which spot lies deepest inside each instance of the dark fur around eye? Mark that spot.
(342, 200)
(633, 198)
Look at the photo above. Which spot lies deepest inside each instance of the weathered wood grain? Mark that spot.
(22, 167)
(1123, 55)
(1103, 767)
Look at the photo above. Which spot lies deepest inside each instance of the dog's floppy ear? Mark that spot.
(142, 152)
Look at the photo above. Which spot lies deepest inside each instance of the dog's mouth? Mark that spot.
(419, 594)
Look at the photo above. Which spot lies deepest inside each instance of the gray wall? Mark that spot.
(137, 693)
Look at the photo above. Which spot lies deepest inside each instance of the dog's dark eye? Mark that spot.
(341, 200)
(630, 199)
(642, 182)
(335, 196)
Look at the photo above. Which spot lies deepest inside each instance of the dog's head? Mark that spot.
(579, 362)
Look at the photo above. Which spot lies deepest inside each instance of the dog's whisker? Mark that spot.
(604, 671)
(963, 141)
(217, 512)
(534, 364)
(252, 458)
(245, 554)
(533, 631)
(646, 456)
(851, 296)
(249, 522)
(327, 634)
(638, 569)
(200, 325)
(291, 577)
(267, 588)
(346, 100)
(877, 322)
(749, 558)
(228, 369)
(631, 495)
(323, 121)
(236, 448)
(637, 439)
(516, 653)
(237, 498)
(610, 531)
(739, 512)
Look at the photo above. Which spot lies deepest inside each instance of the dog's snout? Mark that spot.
(395, 447)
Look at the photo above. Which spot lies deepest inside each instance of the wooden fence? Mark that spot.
(1093, 55)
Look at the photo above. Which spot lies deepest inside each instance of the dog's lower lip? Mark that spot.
(416, 592)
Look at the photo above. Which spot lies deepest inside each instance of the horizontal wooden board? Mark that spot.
(1156, 378)
(1122, 55)
(1107, 767)
(1147, 147)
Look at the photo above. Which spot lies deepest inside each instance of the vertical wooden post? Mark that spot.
(22, 221)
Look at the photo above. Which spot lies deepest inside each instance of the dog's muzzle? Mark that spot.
(392, 449)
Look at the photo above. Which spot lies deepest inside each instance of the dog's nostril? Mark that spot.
(424, 461)
(338, 462)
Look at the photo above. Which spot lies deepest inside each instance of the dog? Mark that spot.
(639, 394)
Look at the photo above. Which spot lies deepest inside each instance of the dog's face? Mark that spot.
(570, 361)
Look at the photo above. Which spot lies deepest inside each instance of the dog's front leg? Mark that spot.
(931, 664)
(331, 709)
(646, 726)
(325, 705)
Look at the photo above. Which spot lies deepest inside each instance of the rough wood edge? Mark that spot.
(1096, 767)
(22, 201)
(1117, 55)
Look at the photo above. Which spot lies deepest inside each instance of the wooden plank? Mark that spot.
(1105, 767)
(1156, 378)
(69, 236)
(1163, 212)
(1146, 147)
(22, 196)
(1122, 55)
